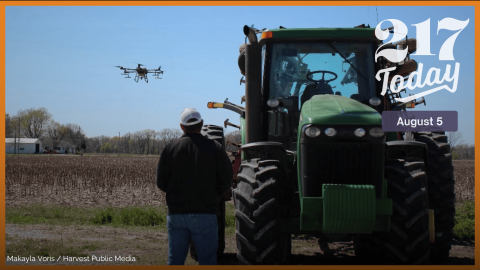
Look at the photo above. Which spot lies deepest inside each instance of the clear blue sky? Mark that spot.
(63, 58)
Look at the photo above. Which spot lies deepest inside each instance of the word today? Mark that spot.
(423, 40)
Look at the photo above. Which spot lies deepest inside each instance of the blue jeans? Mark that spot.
(201, 228)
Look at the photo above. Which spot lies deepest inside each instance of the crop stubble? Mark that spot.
(118, 181)
(82, 180)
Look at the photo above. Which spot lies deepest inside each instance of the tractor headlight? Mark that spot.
(273, 103)
(312, 132)
(330, 132)
(376, 132)
(375, 101)
(359, 132)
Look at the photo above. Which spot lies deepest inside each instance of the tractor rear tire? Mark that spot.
(215, 133)
(257, 209)
(408, 239)
(441, 192)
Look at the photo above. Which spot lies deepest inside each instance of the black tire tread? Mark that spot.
(257, 211)
(407, 242)
(214, 132)
(441, 191)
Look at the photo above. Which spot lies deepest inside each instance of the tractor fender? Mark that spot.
(265, 150)
(403, 149)
(273, 151)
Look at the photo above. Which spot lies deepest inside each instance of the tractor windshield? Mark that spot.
(336, 68)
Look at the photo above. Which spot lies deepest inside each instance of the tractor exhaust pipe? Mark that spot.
(253, 95)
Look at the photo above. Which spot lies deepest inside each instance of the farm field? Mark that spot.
(87, 182)
(82, 180)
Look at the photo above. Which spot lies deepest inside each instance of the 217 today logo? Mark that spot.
(423, 48)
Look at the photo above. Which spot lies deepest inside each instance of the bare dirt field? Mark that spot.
(121, 181)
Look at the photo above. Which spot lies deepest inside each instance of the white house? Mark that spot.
(23, 145)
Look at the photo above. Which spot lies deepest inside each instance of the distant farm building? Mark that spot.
(23, 145)
(62, 148)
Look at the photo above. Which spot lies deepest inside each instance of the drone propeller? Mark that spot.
(119, 67)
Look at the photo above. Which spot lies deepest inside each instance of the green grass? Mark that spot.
(155, 216)
(49, 214)
(131, 216)
(229, 218)
(65, 215)
(465, 221)
(126, 216)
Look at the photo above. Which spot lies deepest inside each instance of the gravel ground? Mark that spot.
(150, 244)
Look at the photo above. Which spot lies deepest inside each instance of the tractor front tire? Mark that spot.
(257, 209)
(441, 192)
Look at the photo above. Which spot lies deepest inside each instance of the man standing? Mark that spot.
(195, 172)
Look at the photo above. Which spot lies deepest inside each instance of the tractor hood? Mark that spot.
(333, 109)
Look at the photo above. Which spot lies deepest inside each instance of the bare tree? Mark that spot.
(9, 127)
(76, 136)
(16, 130)
(454, 138)
(168, 135)
(464, 151)
(93, 145)
(232, 137)
(54, 134)
(126, 142)
(148, 134)
(140, 141)
(154, 141)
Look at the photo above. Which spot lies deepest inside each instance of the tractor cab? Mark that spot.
(303, 70)
(325, 72)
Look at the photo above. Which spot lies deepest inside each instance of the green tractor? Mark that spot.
(314, 159)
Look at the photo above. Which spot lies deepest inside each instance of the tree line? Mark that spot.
(459, 149)
(39, 123)
(149, 142)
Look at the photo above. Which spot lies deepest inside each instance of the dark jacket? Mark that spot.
(195, 172)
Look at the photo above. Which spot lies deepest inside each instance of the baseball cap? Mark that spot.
(190, 113)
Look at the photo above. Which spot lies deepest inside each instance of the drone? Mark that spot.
(141, 73)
